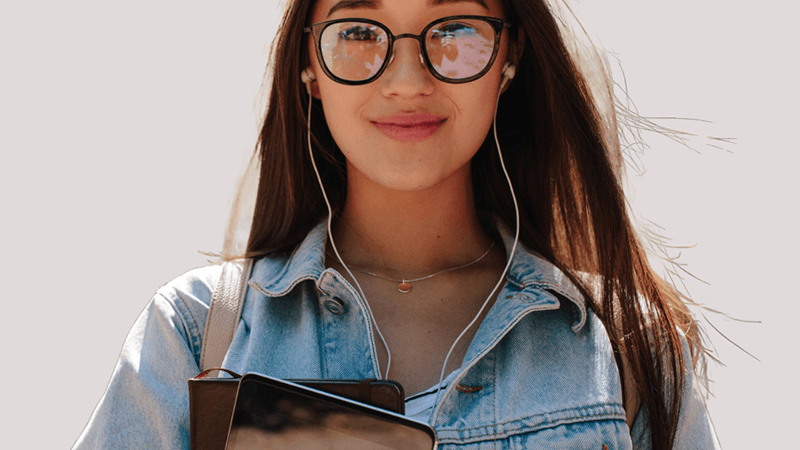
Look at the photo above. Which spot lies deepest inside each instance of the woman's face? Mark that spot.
(406, 130)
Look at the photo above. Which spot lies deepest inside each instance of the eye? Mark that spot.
(359, 33)
(452, 29)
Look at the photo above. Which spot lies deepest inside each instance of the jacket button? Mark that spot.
(334, 305)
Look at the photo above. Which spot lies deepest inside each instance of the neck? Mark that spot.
(408, 234)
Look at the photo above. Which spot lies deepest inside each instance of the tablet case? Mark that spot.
(211, 402)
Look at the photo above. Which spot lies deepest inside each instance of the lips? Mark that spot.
(409, 127)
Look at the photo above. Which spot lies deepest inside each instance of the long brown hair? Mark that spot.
(565, 158)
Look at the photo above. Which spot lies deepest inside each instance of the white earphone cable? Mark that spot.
(336, 251)
(508, 263)
(358, 286)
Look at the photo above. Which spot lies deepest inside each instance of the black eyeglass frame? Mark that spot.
(318, 28)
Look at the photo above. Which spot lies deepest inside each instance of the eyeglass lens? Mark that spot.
(457, 49)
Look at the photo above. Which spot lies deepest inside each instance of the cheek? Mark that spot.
(343, 106)
(477, 110)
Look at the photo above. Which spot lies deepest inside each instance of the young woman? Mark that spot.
(397, 232)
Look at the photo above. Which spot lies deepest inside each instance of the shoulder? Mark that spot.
(194, 288)
(146, 400)
(185, 300)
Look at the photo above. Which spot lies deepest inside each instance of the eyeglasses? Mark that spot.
(455, 49)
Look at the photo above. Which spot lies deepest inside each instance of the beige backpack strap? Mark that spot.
(224, 311)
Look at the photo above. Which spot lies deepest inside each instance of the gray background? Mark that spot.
(126, 125)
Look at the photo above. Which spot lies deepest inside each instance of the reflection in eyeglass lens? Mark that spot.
(354, 50)
(460, 49)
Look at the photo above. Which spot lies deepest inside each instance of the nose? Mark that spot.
(406, 76)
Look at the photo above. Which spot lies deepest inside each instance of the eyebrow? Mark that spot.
(374, 4)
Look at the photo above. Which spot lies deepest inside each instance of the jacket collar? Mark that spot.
(530, 273)
(276, 275)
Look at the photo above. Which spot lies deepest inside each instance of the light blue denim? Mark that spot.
(541, 359)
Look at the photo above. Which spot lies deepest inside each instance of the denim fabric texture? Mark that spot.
(541, 361)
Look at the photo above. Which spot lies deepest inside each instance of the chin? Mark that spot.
(413, 180)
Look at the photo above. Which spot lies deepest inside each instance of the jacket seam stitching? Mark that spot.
(494, 388)
(262, 289)
(595, 417)
(614, 406)
(189, 323)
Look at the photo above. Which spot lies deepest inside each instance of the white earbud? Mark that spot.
(307, 77)
(509, 70)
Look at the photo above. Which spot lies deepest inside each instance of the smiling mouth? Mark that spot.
(410, 128)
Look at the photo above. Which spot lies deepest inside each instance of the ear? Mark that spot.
(516, 47)
(310, 80)
(514, 54)
(315, 90)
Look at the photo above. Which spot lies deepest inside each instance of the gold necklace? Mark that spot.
(404, 285)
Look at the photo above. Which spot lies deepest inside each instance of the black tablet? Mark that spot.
(270, 414)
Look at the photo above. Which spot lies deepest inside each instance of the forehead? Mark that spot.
(324, 9)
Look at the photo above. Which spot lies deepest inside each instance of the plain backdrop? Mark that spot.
(126, 124)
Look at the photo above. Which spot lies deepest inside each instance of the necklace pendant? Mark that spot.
(404, 288)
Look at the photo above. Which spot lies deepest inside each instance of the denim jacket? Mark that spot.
(540, 370)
